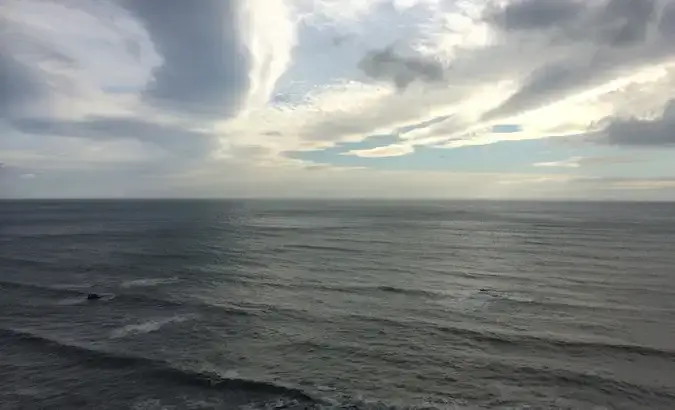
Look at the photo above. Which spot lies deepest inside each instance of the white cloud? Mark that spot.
(270, 35)
(578, 162)
(382, 152)
(574, 162)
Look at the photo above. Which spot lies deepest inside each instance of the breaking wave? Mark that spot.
(149, 326)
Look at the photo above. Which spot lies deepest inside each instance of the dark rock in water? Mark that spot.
(93, 296)
(484, 290)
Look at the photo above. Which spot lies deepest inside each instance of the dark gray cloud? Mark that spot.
(552, 81)
(667, 21)
(534, 14)
(205, 65)
(24, 86)
(205, 69)
(625, 22)
(544, 84)
(616, 23)
(386, 64)
(636, 132)
(174, 139)
(19, 85)
(589, 43)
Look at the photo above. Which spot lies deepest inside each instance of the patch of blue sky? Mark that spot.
(506, 128)
(500, 157)
(507, 156)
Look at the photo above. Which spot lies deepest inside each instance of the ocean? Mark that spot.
(336, 305)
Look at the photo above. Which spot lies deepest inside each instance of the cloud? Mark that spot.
(626, 22)
(595, 42)
(55, 154)
(132, 81)
(544, 85)
(172, 137)
(171, 94)
(549, 82)
(666, 25)
(612, 22)
(204, 65)
(383, 152)
(534, 14)
(18, 88)
(579, 162)
(546, 71)
(387, 64)
(65, 70)
(574, 162)
(644, 184)
(640, 132)
(218, 56)
(627, 183)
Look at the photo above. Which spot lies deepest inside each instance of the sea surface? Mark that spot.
(336, 305)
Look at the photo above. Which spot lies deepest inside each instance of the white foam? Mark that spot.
(149, 282)
(150, 404)
(148, 327)
(231, 374)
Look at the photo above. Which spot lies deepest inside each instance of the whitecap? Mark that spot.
(148, 327)
(231, 374)
(145, 282)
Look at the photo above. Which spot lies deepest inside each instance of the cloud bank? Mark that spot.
(170, 95)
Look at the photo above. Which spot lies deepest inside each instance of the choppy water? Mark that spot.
(263, 304)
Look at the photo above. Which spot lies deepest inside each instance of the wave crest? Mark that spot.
(157, 368)
(149, 326)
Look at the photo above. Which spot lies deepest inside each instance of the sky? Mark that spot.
(459, 99)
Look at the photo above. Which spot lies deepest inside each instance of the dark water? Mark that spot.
(210, 305)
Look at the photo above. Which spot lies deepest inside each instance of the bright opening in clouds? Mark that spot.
(338, 98)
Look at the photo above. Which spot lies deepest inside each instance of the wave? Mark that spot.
(68, 296)
(523, 341)
(577, 380)
(147, 282)
(292, 398)
(157, 368)
(474, 299)
(558, 378)
(529, 341)
(361, 289)
(323, 248)
(149, 326)
(56, 289)
(472, 336)
(407, 291)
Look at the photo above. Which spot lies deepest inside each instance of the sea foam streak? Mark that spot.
(149, 326)
(148, 282)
